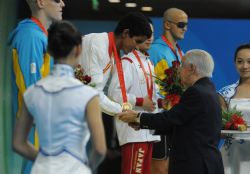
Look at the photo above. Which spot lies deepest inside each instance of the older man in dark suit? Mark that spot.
(194, 123)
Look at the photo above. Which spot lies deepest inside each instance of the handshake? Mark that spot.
(131, 117)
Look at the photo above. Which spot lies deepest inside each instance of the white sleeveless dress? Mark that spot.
(236, 159)
(58, 105)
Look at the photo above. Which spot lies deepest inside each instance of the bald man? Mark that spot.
(163, 52)
(28, 42)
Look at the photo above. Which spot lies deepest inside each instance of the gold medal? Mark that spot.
(126, 106)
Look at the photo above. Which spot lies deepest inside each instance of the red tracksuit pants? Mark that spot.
(136, 158)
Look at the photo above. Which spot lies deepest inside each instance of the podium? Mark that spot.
(235, 151)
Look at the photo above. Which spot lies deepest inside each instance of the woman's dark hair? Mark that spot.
(241, 47)
(62, 37)
(137, 24)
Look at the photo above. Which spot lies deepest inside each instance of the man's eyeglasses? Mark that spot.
(179, 24)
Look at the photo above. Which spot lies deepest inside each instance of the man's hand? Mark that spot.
(128, 116)
(135, 126)
(148, 105)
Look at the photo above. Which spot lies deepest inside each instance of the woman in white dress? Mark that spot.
(65, 111)
(237, 158)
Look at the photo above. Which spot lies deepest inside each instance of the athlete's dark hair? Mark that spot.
(136, 23)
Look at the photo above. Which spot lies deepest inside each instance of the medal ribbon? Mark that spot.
(35, 20)
(112, 49)
(172, 48)
(149, 87)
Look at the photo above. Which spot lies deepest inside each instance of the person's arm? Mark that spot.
(20, 141)
(90, 61)
(96, 127)
(222, 102)
(29, 60)
(189, 106)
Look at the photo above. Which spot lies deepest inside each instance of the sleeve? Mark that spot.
(90, 61)
(220, 93)
(228, 92)
(28, 59)
(28, 52)
(115, 89)
(187, 109)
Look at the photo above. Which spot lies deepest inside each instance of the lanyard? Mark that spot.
(172, 48)
(112, 49)
(149, 87)
(35, 20)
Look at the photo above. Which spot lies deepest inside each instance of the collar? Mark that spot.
(63, 70)
(142, 55)
(62, 77)
(41, 26)
(202, 79)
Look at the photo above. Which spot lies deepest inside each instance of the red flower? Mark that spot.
(79, 74)
(87, 79)
(235, 126)
(237, 119)
(228, 125)
(176, 64)
(173, 99)
(241, 121)
(169, 81)
(169, 72)
(232, 119)
(171, 85)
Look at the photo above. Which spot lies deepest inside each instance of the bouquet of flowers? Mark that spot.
(80, 75)
(232, 119)
(171, 86)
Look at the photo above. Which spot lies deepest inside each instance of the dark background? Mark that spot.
(83, 9)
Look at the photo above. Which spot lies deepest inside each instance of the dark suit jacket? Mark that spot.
(196, 124)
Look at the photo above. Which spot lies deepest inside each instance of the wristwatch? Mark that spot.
(138, 117)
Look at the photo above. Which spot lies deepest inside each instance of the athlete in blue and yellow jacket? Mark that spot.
(162, 56)
(29, 43)
(31, 62)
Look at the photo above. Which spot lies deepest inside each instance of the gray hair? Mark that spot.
(202, 60)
